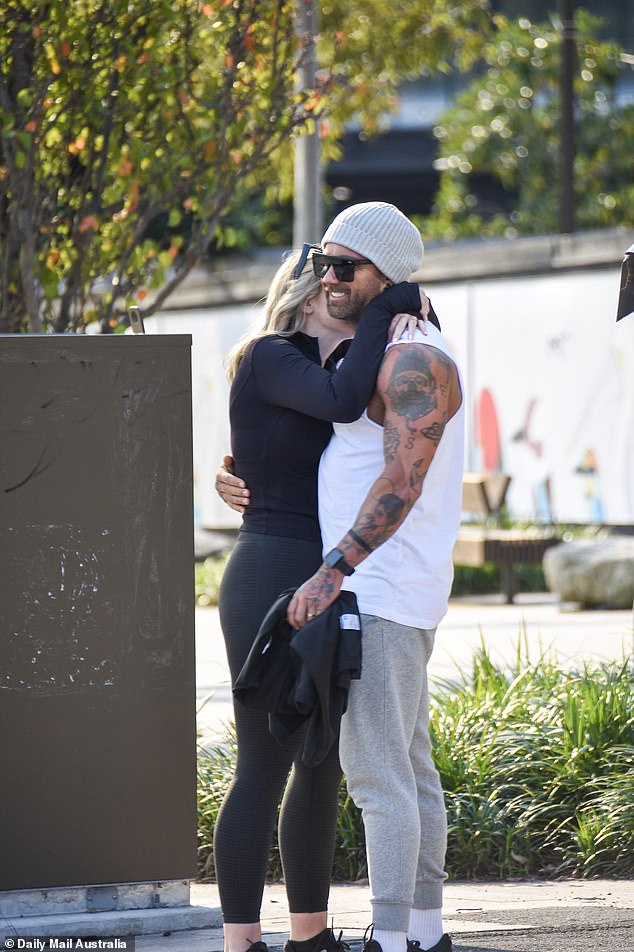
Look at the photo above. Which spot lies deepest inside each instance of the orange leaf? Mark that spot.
(206, 10)
(77, 146)
(31, 126)
(187, 204)
(36, 31)
(88, 222)
(141, 294)
(209, 150)
(229, 61)
(236, 156)
(125, 166)
(65, 49)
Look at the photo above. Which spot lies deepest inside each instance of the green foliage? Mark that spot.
(131, 131)
(215, 770)
(374, 51)
(537, 764)
(506, 125)
(365, 53)
(119, 115)
(208, 576)
(485, 579)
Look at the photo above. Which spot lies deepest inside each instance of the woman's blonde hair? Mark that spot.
(283, 307)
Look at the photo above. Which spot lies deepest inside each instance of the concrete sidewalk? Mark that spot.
(562, 916)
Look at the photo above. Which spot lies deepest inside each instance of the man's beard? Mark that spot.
(347, 308)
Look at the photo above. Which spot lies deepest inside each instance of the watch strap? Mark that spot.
(335, 560)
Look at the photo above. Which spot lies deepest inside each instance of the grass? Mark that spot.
(537, 764)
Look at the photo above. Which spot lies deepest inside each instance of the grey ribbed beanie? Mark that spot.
(382, 233)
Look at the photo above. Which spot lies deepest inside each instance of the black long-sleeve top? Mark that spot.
(281, 407)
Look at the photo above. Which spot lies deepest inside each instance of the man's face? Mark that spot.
(346, 299)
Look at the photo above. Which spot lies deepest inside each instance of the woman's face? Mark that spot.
(317, 309)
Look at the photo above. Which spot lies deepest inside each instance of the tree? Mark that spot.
(127, 128)
(504, 128)
(378, 45)
(130, 130)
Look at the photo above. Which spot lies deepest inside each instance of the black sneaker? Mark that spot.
(326, 941)
(444, 945)
(258, 947)
(370, 944)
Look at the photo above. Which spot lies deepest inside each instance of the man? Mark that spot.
(390, 489)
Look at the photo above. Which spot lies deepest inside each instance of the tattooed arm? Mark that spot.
(417, 393)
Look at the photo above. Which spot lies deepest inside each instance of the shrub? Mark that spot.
(537, 767)
(208, 576)
(537, 764)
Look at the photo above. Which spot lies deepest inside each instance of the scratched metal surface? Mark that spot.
(97, 692)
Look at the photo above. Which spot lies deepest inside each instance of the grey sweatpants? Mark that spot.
(386, 756)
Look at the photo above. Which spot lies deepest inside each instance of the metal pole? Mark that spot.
(567, 125)
(307, 212)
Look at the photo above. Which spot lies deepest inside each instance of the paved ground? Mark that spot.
(566, 916)
(536, 623)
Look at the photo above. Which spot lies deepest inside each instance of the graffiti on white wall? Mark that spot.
(550, 380)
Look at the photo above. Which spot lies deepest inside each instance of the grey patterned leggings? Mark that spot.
(261, 567)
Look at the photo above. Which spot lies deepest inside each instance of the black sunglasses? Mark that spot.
(306, 250)
(344, 268)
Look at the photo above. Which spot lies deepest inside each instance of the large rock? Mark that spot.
(592, 571)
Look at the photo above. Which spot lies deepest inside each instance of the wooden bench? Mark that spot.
(482, 541)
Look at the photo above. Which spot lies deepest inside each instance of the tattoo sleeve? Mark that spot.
(415, 384)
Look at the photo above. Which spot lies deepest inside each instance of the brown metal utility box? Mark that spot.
(97, 684)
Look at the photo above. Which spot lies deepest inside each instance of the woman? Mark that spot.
(284, 397)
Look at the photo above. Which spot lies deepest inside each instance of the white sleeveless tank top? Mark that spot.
(408, 578)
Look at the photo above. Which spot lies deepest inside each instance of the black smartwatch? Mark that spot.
(335, 560)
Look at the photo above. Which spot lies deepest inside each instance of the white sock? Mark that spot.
(425, 926)
(390, 941)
